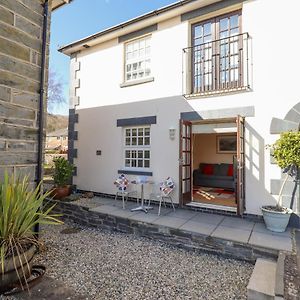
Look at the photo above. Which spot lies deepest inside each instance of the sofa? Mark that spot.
(215, 175)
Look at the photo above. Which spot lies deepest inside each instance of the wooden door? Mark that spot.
(185, 162)
(240, 168)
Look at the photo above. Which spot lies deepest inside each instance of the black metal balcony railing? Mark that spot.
(216, 66)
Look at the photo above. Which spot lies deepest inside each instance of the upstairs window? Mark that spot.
(137, 147)
(218, 54)
(137, 59)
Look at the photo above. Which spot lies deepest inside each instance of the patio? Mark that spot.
(189, 229)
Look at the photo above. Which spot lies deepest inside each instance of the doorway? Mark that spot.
(212, 164)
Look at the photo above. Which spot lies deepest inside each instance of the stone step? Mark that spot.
(279, 282)
(262, 281)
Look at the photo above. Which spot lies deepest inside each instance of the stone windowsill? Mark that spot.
(135, 172)
(136, 82)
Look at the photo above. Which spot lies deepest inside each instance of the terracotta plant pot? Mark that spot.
(10, 276)
(61, 192)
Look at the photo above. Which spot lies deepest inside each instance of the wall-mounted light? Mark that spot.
(172, 133)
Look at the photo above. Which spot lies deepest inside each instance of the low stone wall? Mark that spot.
(183, 239)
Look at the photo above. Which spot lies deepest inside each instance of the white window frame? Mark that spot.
(144, 60)
(138, 148)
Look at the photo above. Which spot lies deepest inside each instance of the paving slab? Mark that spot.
(49, 289)
(207, 218)
(261, 227)
(271, 241)
(237, 223)
(108, 201)
(123, 213)
(197, 227)
(143, 217)
(128, 205)
(182, 214)
(262, 282)
(105, 209)
(232, 234)
(164, 211)
(169, 221)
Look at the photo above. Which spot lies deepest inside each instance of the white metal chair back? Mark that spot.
(167, 186)
(121, 183)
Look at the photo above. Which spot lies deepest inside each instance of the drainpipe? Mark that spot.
(41, 100)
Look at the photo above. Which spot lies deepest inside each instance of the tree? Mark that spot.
(55, 91)
(286, 152)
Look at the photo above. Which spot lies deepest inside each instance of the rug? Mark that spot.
(217, 196)
(217, 192)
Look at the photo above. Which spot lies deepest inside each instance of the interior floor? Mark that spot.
(215, 196)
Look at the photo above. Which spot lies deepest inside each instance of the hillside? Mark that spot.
(55, 122)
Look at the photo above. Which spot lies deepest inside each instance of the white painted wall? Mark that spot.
(205, 150)
(273, 27)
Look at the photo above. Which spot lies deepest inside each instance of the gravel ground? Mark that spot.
(291, 278)
(112, 266)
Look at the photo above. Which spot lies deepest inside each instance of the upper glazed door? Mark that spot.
(217, 53)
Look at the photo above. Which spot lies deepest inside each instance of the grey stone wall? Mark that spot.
(21, 23)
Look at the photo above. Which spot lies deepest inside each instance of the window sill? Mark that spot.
(136, 82)
(217, 93)
(135, 172)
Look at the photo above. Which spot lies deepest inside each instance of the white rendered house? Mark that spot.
(197, 82)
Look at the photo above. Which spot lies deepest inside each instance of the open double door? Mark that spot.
(185, 161)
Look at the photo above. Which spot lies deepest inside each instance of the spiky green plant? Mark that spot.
(21, 208)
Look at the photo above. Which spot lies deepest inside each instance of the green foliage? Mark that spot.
(286, 150)
(63, 171)
(21, 208)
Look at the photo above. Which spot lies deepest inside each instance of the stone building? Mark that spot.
(57, 140)
(24, 57)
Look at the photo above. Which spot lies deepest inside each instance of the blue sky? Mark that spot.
(85, 17)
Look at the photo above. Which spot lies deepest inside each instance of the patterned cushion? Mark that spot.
(121, 182)
(167, 186)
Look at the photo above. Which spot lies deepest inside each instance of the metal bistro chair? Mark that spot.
(122, 184)
(162, 192)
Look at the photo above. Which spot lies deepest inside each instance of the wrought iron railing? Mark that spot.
(217, 66)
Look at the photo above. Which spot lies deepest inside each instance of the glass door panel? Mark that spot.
(202, 56)
(185, 167)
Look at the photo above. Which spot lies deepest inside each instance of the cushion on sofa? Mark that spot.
(208, 169)
(230, 170)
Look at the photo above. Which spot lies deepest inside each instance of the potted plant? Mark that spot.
(20, 210)
(63, 171)
(286, 152)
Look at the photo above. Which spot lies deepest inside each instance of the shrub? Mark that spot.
(286, 152)
(63, 171)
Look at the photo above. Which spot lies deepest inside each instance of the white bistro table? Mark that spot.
(142, 182)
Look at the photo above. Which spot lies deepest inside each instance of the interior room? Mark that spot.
(214, 158)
